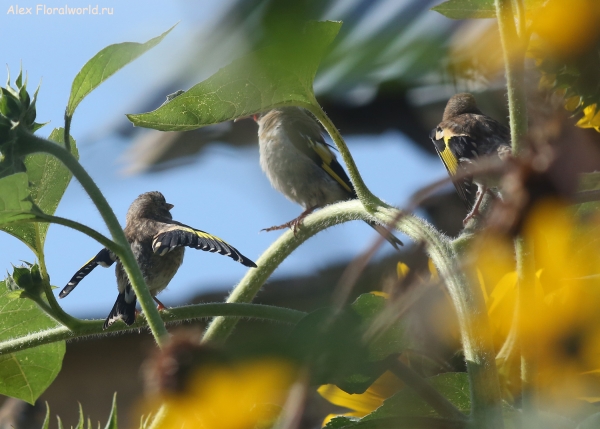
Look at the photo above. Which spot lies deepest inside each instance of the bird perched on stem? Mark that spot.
(301, 166)
(157, 242)
(464, 135)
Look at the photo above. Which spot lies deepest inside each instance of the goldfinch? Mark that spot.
(301, 166)
(464, 135)
(158, 244)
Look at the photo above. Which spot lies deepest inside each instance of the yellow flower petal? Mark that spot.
(230, 397)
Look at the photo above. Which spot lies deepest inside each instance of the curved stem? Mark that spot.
(246, 290)
(102, 239)
(28, 143)
(55, 310)
(370, 201)
(471, 313)
(85, 328)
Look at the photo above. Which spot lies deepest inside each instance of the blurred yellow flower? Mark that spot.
(364, 403)
(569, 27)
(564, 319)
(245, 395)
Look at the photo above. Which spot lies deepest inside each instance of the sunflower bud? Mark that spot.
(26, 278)
(17, 109)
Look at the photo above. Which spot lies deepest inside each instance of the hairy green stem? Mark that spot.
(514, 60)
(468, 300)
(246, 290)
(53, 309)
(370, 201)
(526, 308)
(30, 143)
(85, 328)
(471, 313)
(102, 239)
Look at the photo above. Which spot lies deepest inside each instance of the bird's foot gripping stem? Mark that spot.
(294, 224)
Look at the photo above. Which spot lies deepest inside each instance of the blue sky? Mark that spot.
(234, 206)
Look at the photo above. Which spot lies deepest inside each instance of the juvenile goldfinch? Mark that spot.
(301, 166)
(157, 242)
(464, 135)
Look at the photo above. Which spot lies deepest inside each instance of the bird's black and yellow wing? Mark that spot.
(312, 144)
(178, 235)
(451, 149)
(104, 258)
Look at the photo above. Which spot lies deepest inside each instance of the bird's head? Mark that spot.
(149, 205)
(460, 104)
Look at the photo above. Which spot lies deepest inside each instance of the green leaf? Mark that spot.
(48, 181)
(331, 344)
(466, 9)
(28, 373)
(278, 75)
(453, 385)
(340, 422)
(15, 200)
(112, 419)
(392, 339)
(103, 65)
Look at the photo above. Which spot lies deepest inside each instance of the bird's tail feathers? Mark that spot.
(393, 240)
(122, 310)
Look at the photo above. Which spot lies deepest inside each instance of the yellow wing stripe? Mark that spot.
(205, 235)
(327, 157)
(337, 178)
(323, 152)
(449, 158)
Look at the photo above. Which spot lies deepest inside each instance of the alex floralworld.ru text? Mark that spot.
(42, 9)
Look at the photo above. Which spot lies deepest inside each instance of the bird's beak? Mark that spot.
(241, 118)
(170, 206)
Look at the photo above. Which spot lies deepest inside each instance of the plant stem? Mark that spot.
(221, 327)
(514, 57)
(85, 328)
(526, 309)
(514, 60)
(55, 310)
(105, 241)
(370, 201)
(67, 131)
(468, 300)
(29, 143)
